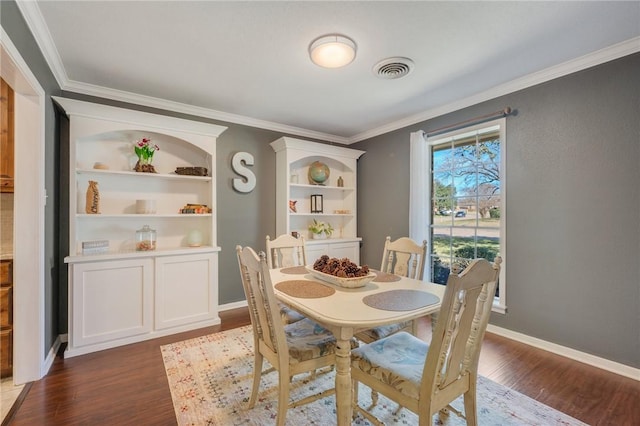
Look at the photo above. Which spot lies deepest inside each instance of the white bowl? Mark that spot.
(340, 281)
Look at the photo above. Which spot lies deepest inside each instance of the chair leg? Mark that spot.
(283, 397)
(354, 393)
(358, 409)
(257, 375)
(424, 420)
(470, 407)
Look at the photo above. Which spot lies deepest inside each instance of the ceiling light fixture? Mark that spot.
(332, 51)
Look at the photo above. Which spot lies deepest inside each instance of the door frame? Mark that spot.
(31, 360)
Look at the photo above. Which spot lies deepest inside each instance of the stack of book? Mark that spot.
(95, 247)
(195, 209)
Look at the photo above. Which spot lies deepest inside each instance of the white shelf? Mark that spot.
(332, 240)
(130, 174)
(141, 216)
(321, 187)
(114, 255)
(107, 135)
(322, 214)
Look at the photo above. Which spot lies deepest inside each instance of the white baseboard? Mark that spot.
(232, 305)
(595, 361)
(51, 356)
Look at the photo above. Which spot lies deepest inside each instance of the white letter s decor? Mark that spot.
(249, 182)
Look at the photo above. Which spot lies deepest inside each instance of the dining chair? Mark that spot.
(303, 346)
(286, 251)
(427, 378)
(406, 258)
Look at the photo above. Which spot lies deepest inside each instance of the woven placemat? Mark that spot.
(294, 270)
(400, 300)
(385, 277)
(305, 289)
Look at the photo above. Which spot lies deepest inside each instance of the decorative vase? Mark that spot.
(93, 198)
(144, 165)
(320, 236)
(318, 173)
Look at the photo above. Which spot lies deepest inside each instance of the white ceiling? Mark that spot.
(247, 62)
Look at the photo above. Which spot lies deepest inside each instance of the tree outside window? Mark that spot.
(466, 192)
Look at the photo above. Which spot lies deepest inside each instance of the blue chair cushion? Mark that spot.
(397, 360)
(289, 316)
(308, 340)
(383, 331)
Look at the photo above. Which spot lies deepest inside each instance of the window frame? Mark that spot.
(421, 211)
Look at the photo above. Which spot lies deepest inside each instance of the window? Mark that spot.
(463, 195)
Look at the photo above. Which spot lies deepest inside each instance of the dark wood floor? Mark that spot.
(127, 385)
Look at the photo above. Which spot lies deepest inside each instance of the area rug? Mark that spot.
(210, 382)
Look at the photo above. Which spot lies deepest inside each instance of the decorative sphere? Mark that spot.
(318, 173)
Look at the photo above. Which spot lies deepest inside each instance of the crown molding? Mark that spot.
(598, 57)
(31, 14)
(40, 31)
(163, 104)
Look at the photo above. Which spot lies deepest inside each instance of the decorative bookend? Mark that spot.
(93, 198)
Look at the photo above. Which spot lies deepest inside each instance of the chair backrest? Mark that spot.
(404, 257)
(452, 361)
(285, 251)
(263, 305)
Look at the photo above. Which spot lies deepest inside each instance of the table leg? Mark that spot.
(343, 382)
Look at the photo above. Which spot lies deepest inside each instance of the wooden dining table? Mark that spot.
(387, 299)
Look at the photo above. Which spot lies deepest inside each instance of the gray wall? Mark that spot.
(573, 202)
(573, 231)
(17, 30)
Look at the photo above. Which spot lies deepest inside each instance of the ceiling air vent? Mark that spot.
(392, 68)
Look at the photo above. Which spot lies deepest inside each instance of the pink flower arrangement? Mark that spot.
(145, 150)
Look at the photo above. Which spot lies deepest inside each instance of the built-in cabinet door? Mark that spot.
(6, 305)
(348, 250)
(6, 318)
(111, 300)
(185, 289)
(334, 249)
(6, 347)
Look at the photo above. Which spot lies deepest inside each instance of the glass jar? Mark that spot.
(145, 239)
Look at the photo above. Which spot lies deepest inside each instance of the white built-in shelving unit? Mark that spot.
(123, 295)
(293, 158)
